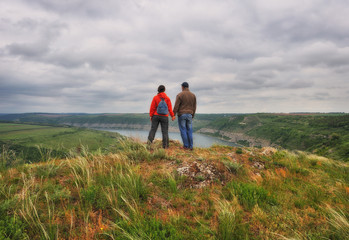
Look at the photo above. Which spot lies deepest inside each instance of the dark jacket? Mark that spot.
(185, 103)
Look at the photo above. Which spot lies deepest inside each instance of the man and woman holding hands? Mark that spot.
(161, 108)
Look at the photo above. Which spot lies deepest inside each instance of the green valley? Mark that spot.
(31, 142)
(323, 134)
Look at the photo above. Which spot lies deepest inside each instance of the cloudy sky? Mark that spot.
(110, 56)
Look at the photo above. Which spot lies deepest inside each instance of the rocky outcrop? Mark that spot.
(199, 175)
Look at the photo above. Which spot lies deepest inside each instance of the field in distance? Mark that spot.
(30, 142)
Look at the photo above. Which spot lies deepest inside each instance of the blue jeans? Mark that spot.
(186, 129)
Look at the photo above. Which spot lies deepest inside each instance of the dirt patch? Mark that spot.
(203, 174)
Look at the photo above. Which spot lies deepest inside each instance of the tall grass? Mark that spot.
(133, 225)
(81, 171)
(159, 154)
(45, 153)
(135, 151)
(93, 194)
(36, 220)
(127, 183)
(172, 183)
(48, 170)
(340, 223)
(230, 225)
(233, 167)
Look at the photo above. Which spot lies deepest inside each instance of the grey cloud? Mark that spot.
(93, 8)
(313, 21)
(99, 57)
(28, 50)
(44, 33)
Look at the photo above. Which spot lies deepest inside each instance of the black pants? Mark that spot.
(164, 129)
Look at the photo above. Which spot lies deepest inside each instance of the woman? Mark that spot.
(159, 109)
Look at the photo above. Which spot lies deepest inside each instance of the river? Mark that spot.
(200, 140)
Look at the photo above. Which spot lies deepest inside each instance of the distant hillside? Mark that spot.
(32, 143)
(122, 120)
(137, 192)
(323, 134)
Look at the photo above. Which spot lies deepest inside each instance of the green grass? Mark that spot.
(121, 194)
(53, 137)
(249, 194)
(33, 143)
(230, 224)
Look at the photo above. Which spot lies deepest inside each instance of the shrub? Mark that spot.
(238, 151)
(299, 203)
(313, 163)
(138, 155)
(11, 227)
(233, 167)
(159, 154)
(279, 164)
(7, 157)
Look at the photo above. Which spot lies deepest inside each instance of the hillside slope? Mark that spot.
(323, 134)
(137, 192)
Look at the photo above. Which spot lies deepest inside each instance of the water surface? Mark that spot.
(200, 140)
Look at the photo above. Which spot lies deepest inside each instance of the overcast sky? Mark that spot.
(237, 56)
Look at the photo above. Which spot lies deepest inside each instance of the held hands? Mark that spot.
(173, 118)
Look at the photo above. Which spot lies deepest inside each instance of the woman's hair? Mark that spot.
(161, 88)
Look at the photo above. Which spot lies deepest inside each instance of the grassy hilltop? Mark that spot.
(137, 192)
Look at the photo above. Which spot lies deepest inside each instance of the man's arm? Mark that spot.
(194, 110)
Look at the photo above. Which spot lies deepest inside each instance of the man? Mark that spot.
(161, 118)
(185, 108)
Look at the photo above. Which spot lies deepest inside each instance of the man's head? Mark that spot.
(161, 88)
(185, 85)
